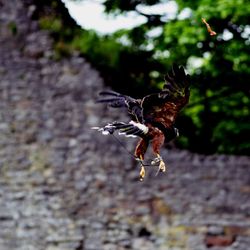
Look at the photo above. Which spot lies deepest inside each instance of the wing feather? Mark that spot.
(163, 107)
(117, 100)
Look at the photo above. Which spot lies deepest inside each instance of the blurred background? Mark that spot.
(66, 187)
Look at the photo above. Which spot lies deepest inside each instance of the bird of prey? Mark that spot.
(152, 117)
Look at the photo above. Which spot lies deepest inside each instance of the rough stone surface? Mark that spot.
(65, 187)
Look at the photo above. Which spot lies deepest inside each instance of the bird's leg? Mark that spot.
(142, 171)
(157, 143)
(140, 150)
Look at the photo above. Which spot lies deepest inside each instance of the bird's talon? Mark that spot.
(156, 160)
(142, 173)
(138, 159)
(162, 167)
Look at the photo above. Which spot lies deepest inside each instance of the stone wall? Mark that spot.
(63, 186)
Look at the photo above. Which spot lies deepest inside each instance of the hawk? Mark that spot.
(152, 117)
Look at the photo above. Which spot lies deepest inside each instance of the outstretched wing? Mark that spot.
(131, 129)
(161, 109)
(116, 100)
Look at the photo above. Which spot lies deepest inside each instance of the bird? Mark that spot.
(152, 117)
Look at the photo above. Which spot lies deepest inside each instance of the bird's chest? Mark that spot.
(154, 132)
(169, 113)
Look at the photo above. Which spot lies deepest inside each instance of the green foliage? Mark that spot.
(50, 23)
(106, 54)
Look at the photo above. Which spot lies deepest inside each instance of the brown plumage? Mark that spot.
(152, 117)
